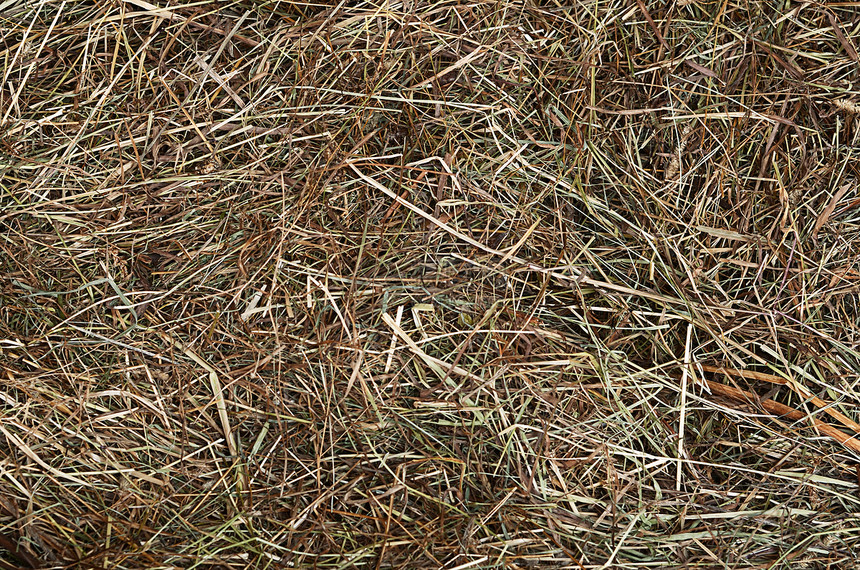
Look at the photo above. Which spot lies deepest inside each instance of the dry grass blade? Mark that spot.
(423, 284)
(849, 441)
(818, 402)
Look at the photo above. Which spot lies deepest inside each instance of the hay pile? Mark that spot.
(429, 284)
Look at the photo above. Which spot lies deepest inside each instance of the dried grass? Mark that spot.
(429, 284)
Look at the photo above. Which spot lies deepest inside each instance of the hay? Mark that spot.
(429, 284)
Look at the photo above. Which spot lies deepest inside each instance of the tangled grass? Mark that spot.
(429, 284)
